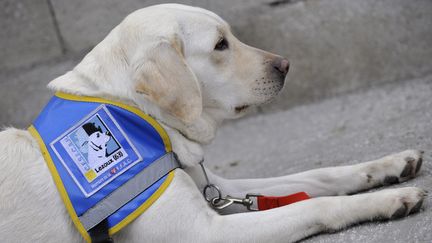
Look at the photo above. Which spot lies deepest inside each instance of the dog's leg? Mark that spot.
(299, 220)
(329, 181)
(182, 214)
(325, 214)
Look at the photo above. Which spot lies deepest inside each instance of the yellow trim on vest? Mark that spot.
(144, 206)
(59, 183)
(132, 109)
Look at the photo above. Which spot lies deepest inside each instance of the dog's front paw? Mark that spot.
(407, 163)
(398, 203)
(398, 167)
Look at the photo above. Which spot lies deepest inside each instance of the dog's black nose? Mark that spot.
(282, 65)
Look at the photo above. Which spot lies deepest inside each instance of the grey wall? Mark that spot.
(335, 46)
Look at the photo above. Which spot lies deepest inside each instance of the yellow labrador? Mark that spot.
(183, 66)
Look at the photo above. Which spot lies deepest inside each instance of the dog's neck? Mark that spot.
(187, 139)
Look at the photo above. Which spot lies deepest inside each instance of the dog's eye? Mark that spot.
(221, 45)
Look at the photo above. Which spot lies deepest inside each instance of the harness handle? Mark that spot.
(99, 233)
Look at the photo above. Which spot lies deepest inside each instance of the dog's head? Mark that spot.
(182, 59)
(187, 60)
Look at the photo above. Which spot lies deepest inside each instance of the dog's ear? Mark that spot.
(166, 79)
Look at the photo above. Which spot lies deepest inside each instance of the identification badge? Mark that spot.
(95, 151)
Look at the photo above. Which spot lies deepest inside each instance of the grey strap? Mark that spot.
(129, 190)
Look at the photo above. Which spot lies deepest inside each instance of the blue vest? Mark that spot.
(108, 160)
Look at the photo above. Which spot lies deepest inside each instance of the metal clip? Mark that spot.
(221, 203)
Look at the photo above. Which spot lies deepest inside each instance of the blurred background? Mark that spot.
(359, 86)
(335, 46)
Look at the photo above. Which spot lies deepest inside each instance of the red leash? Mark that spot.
(269, 202)
(261, 203)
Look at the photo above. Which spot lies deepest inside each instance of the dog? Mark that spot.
(184, 67)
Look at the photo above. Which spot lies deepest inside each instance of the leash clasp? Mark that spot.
(213, 195)
(221, 203)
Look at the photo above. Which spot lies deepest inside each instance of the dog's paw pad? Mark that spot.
(400, 212)
(419, 164)
(412, 166)
(390, 180)
(417, 207)
(409, 167)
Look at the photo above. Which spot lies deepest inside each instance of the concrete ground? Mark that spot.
(343, 130)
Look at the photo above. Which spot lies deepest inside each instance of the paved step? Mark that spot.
(23, 93)
(27, 33)
(343, 130)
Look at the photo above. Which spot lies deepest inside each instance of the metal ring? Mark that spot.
(207, 196)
